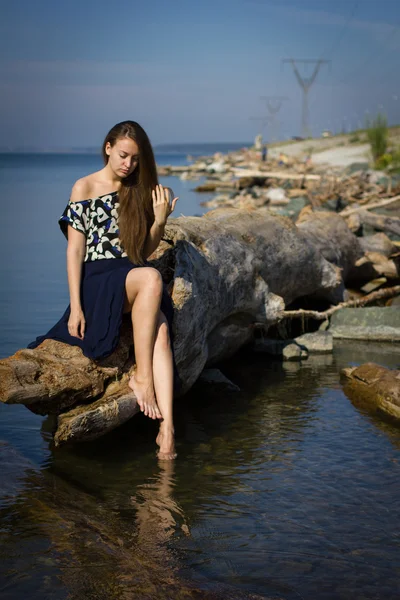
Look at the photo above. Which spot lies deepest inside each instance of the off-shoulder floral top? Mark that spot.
(97, 219)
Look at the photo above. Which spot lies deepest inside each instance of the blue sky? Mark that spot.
(191, 71)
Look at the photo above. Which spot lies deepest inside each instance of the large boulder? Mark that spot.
(367, 323)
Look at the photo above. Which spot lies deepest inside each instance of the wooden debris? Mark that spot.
(322, 315)
(346, 212)
(380, 222)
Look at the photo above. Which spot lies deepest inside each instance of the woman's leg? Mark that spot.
(143, 288)
(163, 373)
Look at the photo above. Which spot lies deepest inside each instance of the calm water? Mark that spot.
(284, 490)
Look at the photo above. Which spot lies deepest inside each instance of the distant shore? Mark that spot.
(177, 148)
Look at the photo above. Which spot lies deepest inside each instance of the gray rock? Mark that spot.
(293, 208)
(277, 196)
(335, 204)
(215, 378)
(286, 349)
(369, 323)
(317, 342)
(294, 351)
(377, 177)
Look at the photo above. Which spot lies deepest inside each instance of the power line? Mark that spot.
(342, 32)
(371, 58)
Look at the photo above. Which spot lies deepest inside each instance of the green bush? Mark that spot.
(384, 161)
(394, 166)
(377, 134)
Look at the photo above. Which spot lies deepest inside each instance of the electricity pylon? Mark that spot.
(274, 105)
(264, 121)
(305, 84)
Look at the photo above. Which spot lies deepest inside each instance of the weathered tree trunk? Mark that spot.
(330, 235)
(379, 242)
(226, 271)
(380, 222)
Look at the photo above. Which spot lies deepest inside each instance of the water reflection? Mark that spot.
(283, 490)
(158, 515)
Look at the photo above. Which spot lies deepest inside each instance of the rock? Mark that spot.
(285, 349)
(317, 342)
(336, 204)
(375, 388)
(163, 171)
(293, 208)
(216, 379)
(294, 352)
(377, 177)
(367, 323)
(217, 167)
(277, 196)
(249, 182)
(199, 166)
(208, 186)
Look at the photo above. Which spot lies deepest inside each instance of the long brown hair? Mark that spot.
(135, 213)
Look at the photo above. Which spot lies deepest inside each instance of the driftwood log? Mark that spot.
(379, 242)
(226, 271)
(375, 388)
(380, 222)
(385, 202)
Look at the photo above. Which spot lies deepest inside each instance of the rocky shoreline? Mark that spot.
(292, 248)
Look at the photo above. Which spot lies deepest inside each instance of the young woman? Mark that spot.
(113, 222)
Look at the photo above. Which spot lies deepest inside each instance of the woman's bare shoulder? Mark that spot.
(81, 189)
(87, 187)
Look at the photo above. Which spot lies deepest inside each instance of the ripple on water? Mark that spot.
(285, 490)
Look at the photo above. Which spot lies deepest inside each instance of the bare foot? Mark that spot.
(144, 392)
(166, 441)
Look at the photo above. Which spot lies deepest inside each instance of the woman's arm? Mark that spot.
(75, 255)
(153, 239)
(162, 207)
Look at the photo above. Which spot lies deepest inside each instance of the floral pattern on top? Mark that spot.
(97, 219)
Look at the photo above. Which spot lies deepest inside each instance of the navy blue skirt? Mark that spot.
(102, 297)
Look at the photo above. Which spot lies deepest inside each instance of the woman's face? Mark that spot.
(123, 156)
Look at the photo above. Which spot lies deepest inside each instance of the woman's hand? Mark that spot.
(162, 204)
(77, 324)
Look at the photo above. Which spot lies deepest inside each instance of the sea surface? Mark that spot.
(284, 490)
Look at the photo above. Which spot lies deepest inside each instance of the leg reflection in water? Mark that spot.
(158, 515)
